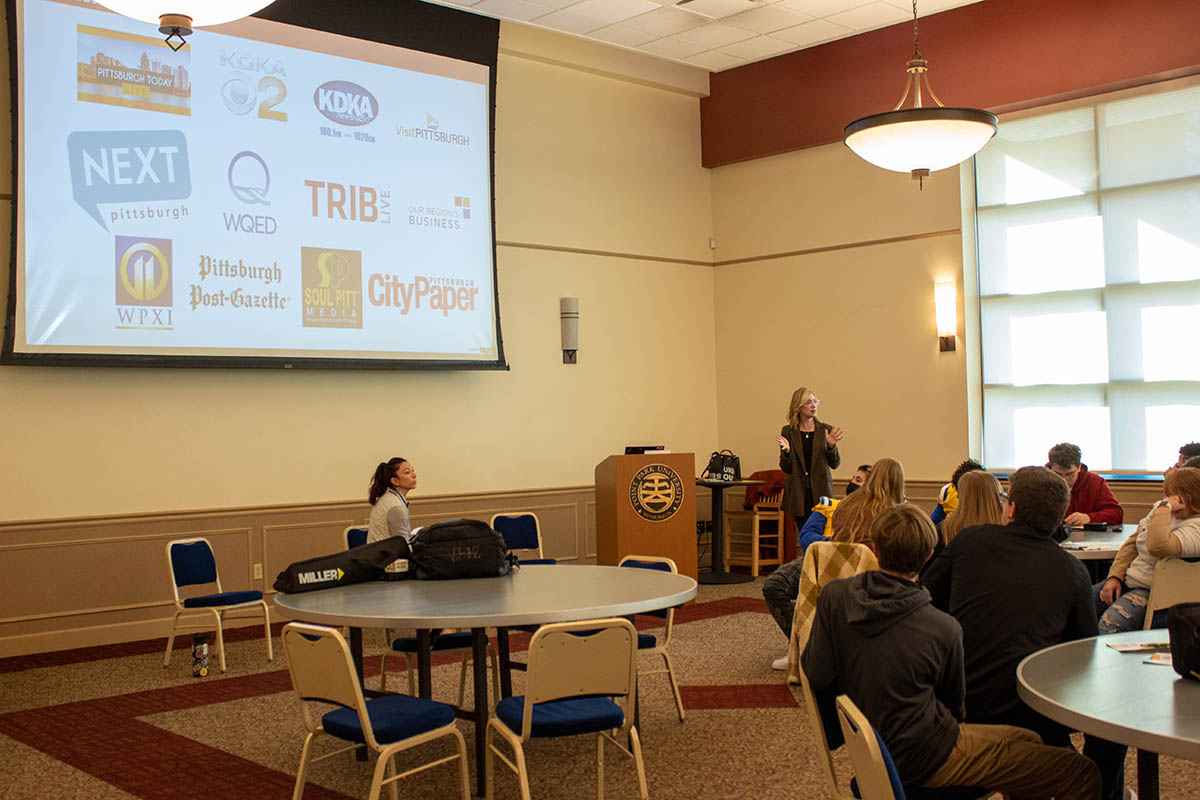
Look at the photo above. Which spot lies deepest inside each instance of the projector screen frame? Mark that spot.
(410, 24)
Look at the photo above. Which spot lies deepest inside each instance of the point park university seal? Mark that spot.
(656, 492)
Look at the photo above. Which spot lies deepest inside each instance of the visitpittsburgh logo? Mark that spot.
(332, 282)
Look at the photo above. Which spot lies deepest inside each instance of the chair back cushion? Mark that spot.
(651, 562)
(355, 537)
(603, 661)
(192, 563)
(520, 531)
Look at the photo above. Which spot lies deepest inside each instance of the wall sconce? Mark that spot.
(945, 305)
(568, 311)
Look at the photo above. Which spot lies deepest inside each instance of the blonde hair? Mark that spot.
(1185, 482)
(883, 489)
(798, 398)
(978, 504)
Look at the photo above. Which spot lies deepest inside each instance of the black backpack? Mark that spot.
(1183, 624)
(460, 548)
(356, 565)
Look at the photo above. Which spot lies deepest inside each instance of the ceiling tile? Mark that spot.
(717, 9)
(712, 35)
(670, 48)
(766, 19)
(713, 60)
(758, 47)
(610, 11)
(555, 3)
(569, 21)
(811, 33)
(665, 21)
(512, 9)
(868, 17)
(821, 8)
(622, 34)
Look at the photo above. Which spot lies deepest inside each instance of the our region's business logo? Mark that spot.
(134, 170)
(144, 296)
(125, 69)
(253, 82)
(442, 215)
(350, 202)
(345, 103)
(332, 284)
(432, 132)
(656, 492)
(249, 180)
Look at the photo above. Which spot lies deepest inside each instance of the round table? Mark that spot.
(1091, 687)
(531, 595)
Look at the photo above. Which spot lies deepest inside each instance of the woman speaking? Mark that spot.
(807, 453)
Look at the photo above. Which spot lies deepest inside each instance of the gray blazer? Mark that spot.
(818, 474)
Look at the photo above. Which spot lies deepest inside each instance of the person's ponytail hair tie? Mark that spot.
(381, 481)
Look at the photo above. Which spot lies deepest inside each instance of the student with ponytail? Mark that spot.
(388, 496)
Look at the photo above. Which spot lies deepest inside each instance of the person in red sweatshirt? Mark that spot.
(1091, 499)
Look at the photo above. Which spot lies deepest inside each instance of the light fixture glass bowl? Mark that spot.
(928, 138)
(203, 13)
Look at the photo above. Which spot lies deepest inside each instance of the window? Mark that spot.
(1088, 237)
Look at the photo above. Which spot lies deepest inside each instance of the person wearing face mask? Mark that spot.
(857, 479)
(388, 495)
(1171, 529)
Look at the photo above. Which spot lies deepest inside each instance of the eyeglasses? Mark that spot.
(812, 401)
(1003, 497)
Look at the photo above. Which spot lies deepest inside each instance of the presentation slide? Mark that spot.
(266, 191)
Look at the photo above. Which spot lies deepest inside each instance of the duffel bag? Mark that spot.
(460, 548)
(366, 562)
(1183, 625)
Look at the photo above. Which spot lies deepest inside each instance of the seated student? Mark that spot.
(851, 523)
(819, 525)
(1015, 591)
(948, 494)
(979, 503)
(388, 495)
(877, 639)
(1091, 499)
(1188, 451)
(1171, 529)
(858, 479)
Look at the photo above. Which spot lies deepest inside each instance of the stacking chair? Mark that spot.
(575, 671)
(322, 671)
(648, 642)
(457, 643)
(827, 737)
(1175, 581)
(756, 535)
(522, 531)
(875, 775)
(191, 563)
(355, 536)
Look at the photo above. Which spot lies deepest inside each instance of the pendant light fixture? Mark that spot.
(177, 18)
(921, 139)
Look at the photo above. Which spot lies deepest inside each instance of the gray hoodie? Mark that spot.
(877, 639)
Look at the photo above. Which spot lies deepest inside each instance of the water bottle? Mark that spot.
(199, 655)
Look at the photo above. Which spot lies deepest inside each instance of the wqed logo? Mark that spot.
(346, 103)
(129, 167)
(250, 181)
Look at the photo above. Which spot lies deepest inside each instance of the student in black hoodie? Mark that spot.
(877, 639)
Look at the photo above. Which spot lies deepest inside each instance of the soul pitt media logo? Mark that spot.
(332, 282)
(144, 295)
(656, 492)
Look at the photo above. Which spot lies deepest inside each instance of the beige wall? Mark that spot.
(848, 313)
(583, 160)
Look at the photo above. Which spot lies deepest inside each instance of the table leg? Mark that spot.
(360, 754)
(718, 574)
(505, 662)
(1147, 767)
(424, 664)
(479, 659)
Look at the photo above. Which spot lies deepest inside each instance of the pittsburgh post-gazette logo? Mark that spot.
(656, 492)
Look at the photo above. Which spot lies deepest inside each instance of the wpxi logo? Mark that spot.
(143, 283)
(242, 92)
(250, 181)
(352, 203)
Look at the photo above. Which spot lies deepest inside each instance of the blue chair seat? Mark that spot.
(393, 717)
(447, 641)
(647, 641)
(222, 599)
(531, 561)
(567, 717)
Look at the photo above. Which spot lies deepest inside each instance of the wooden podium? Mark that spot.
(646, 505)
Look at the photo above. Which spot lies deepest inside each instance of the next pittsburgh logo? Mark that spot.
(144, 297)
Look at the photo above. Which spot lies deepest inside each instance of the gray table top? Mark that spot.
(532, 595)
(1096, 545)
(1090, 687)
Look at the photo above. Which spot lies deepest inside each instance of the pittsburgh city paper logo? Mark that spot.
(242, 93)
(137, 169)
(332, 281)
(345, 103)
(656, 492)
